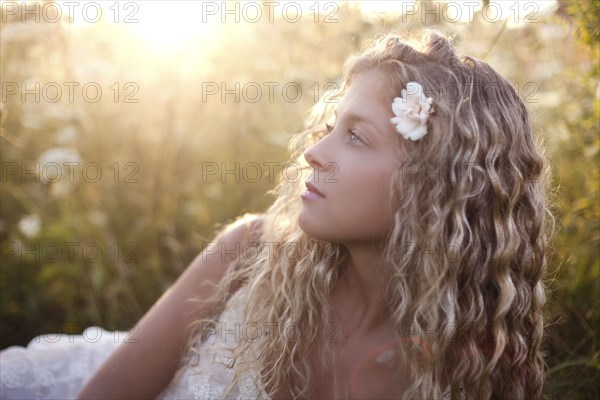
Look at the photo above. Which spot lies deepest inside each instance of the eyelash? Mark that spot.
(330, 128)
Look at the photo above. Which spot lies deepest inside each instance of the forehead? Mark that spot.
(369, 98)
(371, 86)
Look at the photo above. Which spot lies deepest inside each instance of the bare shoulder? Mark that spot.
(244, 229)
(228, 246)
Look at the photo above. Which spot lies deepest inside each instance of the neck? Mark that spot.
(358, 294)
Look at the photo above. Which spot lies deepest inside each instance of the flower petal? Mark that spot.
(417, 133)
(406, 126)
(411, 112)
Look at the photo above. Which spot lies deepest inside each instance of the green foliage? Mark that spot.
(586, 15)
(573, 335)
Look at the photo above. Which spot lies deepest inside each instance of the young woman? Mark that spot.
(408, 263)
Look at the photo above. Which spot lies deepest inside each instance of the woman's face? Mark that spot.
(351, 167)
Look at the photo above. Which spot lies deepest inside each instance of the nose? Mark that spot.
(314, 156)
(319, 155)
(310, 157)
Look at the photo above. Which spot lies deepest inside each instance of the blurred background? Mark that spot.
(132, 130)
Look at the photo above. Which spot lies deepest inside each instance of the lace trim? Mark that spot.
(50, 369)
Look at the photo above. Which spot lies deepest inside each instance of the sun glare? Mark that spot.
(166, 28)
(174, 24)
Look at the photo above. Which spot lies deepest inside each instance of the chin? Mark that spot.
(303, 224)
(308, 226)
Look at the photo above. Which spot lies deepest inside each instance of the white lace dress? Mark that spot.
(58, 366)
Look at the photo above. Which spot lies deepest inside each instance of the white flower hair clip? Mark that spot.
(412, 111)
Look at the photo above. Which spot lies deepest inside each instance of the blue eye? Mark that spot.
(354, 135)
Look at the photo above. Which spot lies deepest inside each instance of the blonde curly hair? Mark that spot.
(465, 260)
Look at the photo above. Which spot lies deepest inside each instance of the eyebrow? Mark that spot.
(357, 117)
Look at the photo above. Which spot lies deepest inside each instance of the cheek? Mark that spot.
(371, 187)
(356, 208)
(366, 201)
(377, 197)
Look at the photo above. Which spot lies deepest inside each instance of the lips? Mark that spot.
(313, 188)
